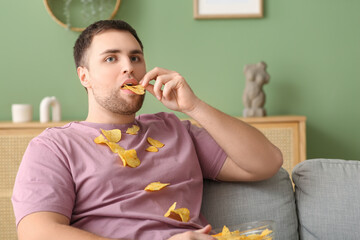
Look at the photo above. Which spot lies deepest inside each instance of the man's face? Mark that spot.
(113, 59)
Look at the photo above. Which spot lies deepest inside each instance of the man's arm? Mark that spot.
(51, 226)
(251, 156)
(55, 226)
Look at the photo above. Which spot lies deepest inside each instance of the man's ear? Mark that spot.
(83, 75)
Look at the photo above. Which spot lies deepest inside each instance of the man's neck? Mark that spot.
(112, 118)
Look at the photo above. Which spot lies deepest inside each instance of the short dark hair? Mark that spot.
(84, 40)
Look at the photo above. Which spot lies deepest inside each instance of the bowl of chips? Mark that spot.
(258, 230)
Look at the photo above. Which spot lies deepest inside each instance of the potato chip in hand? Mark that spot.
(138, 89)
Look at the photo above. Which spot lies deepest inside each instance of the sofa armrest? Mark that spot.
(233, 203)
(328, 198)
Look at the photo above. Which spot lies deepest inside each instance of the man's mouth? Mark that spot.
(138, 89)
(128, 84)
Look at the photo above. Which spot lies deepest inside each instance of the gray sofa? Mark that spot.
(324, 205)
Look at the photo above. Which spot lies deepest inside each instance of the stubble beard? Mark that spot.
(116, 103)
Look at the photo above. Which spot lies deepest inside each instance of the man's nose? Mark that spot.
(128, 66)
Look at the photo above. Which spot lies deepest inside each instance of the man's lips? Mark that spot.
(130, 82)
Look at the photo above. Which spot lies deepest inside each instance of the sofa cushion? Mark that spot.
(328, 198)
(230, 203)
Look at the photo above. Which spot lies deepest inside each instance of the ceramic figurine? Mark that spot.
(254, 96)
(45, 110)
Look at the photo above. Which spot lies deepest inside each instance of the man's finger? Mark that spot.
(205, 230)
(152, 75)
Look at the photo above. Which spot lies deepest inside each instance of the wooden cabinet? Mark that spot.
(286, 132)
(14, 138)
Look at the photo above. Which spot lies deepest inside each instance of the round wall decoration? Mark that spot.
(75, 15)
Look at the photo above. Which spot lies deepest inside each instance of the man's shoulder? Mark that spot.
(71, 128)
(66, 136)
(58, 129)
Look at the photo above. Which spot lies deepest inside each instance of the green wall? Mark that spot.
(311, 48)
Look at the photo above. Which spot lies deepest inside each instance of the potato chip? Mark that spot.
(184, 214)
(266, 232)
(226, 234)
(180, 214)
(112, 145)
(138, 89)
(123, 159)
(129, 158)
(217, 235)
(100, 139)
(225, 230)
(133, 130)
(175, 216)
(112, 135)
(170, 209)
(115, 148)
(152, 149)
(155, 143)
(155, 186)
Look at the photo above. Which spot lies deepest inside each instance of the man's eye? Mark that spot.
(110, 59)
(134, 59)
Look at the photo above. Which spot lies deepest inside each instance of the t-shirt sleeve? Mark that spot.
(43, 182)
(211, 156)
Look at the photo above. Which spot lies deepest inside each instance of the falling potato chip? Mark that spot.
(138, 89)
(180, 214)
(155, 186)
(170, 209)
(122, 157)
(133, 130)
(112, 135)
(155, 143)
(115, 148)
(129, 158)
(175, 216)
(100, 139)
(152, 149)
(184, 214)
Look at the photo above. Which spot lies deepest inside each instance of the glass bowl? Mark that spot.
(259, 230)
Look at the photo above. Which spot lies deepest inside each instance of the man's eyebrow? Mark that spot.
(135, 51)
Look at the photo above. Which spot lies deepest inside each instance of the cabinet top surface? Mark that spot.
(267, 119)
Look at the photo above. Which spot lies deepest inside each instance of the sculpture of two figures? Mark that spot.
(254, 96)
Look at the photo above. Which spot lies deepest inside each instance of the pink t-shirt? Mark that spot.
(63, 170)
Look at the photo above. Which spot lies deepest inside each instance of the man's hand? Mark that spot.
(251, 156)
(171, 89)
(201, 234)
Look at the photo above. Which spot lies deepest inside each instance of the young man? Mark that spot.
(69, 187)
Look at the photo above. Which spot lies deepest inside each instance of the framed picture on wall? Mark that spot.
(211, 9)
